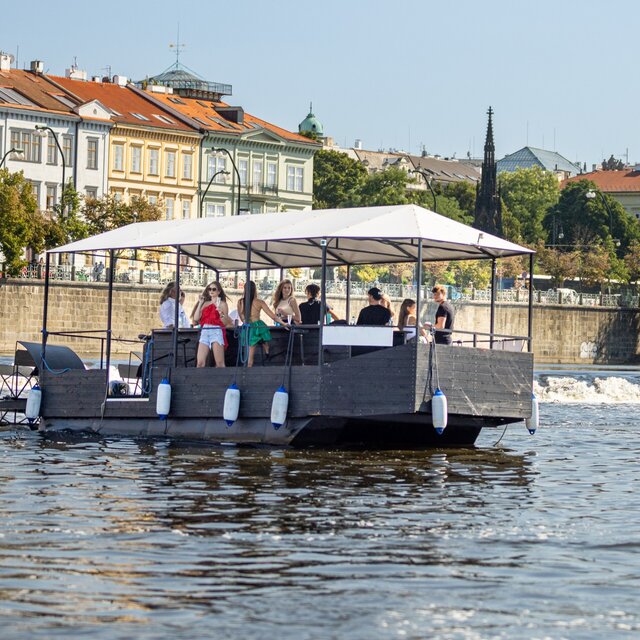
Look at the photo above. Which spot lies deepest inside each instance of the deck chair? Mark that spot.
(21, 375)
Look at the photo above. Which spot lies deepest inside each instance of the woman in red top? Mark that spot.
(213, 336)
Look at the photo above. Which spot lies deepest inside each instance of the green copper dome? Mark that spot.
(311, 124)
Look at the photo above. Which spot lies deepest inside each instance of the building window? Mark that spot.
(215, 210)
(67, 150)
(187, 165)
(294, 178)
(171, 164)
(117, 196)
(51, 197)
(256, 207)
(186, 209)
(154, 155)
(257, 172)
(136, 159)
(152, 199)
(52, 150)
(35, 189)
(92, 153)
(272, 172)
(216, 164)
(29, 142)
(243, 170)
(118, 157)
(91, 192)
(168, 208)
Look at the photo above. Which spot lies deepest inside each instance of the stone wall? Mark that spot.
(562, 334)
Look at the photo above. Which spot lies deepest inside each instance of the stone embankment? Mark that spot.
(562, 334)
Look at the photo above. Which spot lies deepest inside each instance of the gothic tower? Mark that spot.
(488, 214)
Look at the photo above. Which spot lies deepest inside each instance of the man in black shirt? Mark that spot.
(445, 315)
(375, 313)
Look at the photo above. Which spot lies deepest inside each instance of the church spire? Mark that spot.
(488, 214)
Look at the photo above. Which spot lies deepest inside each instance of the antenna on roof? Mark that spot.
(178, 47)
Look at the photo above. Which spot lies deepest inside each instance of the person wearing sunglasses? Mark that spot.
(212, 314)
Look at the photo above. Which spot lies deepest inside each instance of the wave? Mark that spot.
(585, 390)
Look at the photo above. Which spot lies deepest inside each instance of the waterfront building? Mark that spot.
(528, 157)
(622, 185)
(269, 168)
(56, 134)
(151, 153)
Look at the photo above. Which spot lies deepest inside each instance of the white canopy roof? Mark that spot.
(366, 235)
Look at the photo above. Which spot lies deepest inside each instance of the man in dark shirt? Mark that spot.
(375, 313)
(445, 315)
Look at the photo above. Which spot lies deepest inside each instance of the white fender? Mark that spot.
(279, 407)
(533, 422)
(163, 400)
(34, 398)
(231, 404)
(439, 411)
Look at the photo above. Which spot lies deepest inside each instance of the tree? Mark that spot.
(18, 213)
(336, 179)
(595, 265)
(528, 195)
(106, 213)
(632, 262)
(560, 265)
(386, 187)
(464, 194)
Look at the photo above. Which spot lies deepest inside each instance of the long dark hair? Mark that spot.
(404, 314)
(221, 294)
(252, 295)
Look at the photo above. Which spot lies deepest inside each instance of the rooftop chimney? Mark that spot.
(357, 144)
(5, 61)
(75, 74)
(37, 66)
(232, 114)
(121, 81)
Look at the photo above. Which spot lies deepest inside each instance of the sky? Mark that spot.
(406, 75)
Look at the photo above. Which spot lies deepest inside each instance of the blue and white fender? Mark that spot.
(163, 400)
(34, 399)
(231, 404)
(533, 422)
(439, 411)
(279, 407)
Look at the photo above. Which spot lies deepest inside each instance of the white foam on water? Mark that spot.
(567, 390)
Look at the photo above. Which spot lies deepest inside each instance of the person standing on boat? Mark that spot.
(284, 303)
(310, 310)
(168, 307)
(376, 313)
(386, 302)
(258, 331)
(210, 312)
(445, 315)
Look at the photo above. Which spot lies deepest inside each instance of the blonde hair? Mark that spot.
(438, 288)
(277, 295)
(166, 292)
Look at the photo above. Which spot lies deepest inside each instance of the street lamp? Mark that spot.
(18, 152)
(590, 195)
(427, 179)
(217, 173)
(235, 169)
(556, 232)
(43, 128)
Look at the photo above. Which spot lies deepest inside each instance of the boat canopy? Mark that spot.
(365, 235)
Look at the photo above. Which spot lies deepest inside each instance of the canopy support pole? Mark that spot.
(492, 316)
(348, 300)
(247, 301)
(418, 291)
(176, 310)
(45, 309)
(530, 315)
(111, 276)
(323, 300)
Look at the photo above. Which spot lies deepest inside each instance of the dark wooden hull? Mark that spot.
(379, 399)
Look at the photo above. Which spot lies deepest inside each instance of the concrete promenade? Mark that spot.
(562, 334)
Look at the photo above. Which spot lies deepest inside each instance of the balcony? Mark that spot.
(262, 189)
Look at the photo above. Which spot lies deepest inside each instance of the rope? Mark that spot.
(288, 359)
(495, 444)
(147, 369)
(55, 372)
(241, 334)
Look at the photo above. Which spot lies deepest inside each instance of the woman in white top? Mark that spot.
(284, 303)
(168, 308)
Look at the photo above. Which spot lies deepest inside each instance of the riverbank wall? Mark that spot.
(562, 334)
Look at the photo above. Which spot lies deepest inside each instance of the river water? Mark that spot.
(533, 537)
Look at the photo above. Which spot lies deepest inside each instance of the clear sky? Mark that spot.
(559, 74)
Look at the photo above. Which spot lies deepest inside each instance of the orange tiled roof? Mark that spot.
(611, 181)
(124, 101)
(205, 114)
(36, 88)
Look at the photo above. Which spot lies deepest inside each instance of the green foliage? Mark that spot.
(336, 179)
(107, 213)
(528, 194)
(464, 193)
(17, 218)
(383, 188)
